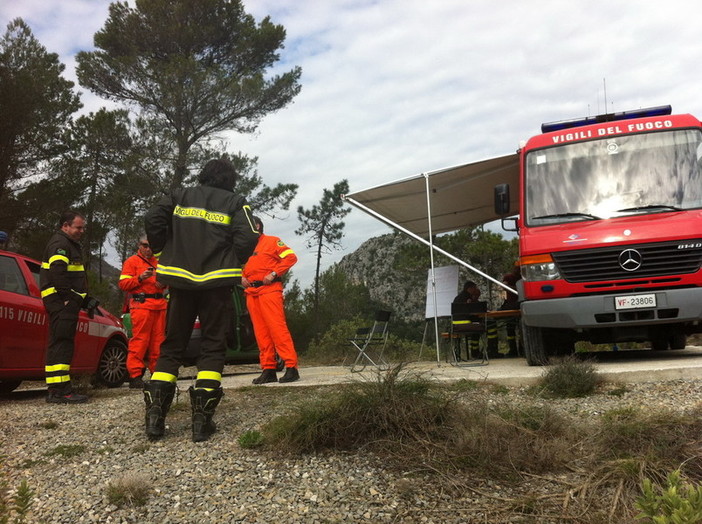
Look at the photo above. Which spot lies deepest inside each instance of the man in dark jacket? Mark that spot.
(64, 287)
(202, 236)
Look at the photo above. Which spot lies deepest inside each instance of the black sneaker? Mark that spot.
(63, 397)
(291, 375)
(136, 383)
(267, 376)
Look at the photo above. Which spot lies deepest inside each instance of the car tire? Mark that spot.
(8, 386)
(112, 368)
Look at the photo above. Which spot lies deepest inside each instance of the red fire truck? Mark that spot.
(610, 232)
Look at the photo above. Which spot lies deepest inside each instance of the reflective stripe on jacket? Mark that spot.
(271, 254)
(62, 270)
(201, 235)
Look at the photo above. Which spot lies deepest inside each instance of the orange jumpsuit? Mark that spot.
(265, 301)
(148, 314)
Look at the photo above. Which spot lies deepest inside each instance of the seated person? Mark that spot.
(471, 293)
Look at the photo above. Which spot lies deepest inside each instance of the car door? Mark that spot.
(23, 321)
(88, 340)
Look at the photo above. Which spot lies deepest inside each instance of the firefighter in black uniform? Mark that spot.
(64, 289)
(202, 236)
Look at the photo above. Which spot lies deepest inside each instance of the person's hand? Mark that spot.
(146, 274)
(269, 277)
(244, 282)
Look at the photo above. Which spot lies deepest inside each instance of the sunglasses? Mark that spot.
(144, 245)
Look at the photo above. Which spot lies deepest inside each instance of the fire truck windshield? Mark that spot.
(614, 176)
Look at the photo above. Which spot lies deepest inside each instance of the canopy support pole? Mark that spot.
(433, 278)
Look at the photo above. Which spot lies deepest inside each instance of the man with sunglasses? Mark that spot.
(147, 308)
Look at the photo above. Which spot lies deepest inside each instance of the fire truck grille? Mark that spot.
(630, 262)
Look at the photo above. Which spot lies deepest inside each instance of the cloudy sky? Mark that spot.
(392, 88)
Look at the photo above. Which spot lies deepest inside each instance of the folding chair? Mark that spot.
(373, 338)
(468, 322)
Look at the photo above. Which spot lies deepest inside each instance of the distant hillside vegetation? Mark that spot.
(375, 264)
(401, 283)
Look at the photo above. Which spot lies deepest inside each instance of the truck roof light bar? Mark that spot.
(607, 117)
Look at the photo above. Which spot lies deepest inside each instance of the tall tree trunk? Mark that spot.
(180, 170)
(316, 286)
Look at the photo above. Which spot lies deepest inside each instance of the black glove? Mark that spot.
(90, 304)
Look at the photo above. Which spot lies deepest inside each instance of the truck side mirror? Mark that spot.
(502, 199)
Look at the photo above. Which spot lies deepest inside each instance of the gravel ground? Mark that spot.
(219, 482)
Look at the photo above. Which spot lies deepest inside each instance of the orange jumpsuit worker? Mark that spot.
(147, 306)
(262, 284)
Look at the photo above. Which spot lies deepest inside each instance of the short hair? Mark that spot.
(257, 223)
(219, 173)
(469, 284)
(68, 216)
(141, 237)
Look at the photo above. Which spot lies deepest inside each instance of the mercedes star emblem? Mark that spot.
(630, 260)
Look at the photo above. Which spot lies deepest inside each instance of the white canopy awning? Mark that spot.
(442, 201)
(460, 196)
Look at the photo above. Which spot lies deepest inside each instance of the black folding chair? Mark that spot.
(371, 339)
(468, 322)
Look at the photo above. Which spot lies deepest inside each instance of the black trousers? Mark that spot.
(63, 319)
(215, 309)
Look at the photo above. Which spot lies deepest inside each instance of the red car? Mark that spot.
(101, 342)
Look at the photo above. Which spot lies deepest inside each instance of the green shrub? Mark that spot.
(676, 503)
(392, 408)
(251, 439)
(570, 377)
(334, 346)
(17, 505)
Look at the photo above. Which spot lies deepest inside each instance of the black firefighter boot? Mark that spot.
(268, 375)
(204, 402)
(158, 396)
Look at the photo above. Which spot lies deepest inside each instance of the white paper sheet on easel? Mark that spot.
(446, 278)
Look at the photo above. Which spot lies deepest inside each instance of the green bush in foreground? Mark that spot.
(390, 408)
(251, 439)
(19, 504)
(676, 503)
(464, 433)
(570, 377)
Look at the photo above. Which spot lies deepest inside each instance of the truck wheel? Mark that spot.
(8, 386)
(534, 348)
(678, 341)
(659, 344)
(112, 368)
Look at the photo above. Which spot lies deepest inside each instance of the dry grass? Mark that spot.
(591, 470)
(129, 490)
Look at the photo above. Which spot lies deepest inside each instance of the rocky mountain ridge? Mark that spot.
(376, 264)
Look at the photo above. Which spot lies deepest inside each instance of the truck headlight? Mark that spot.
(539, 267)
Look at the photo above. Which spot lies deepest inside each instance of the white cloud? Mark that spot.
(391, 88)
